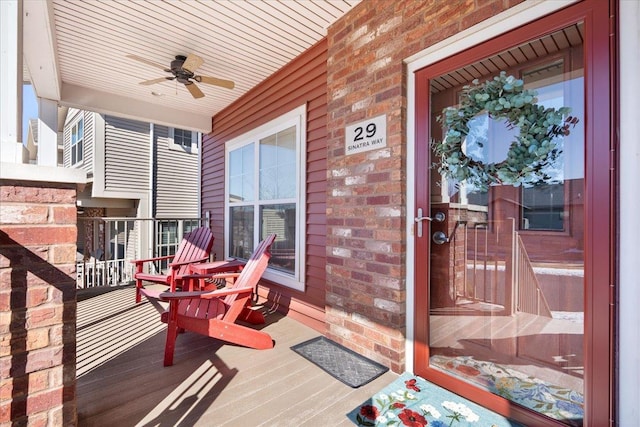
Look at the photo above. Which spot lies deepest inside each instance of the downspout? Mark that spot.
(151, 193)
(146, 227)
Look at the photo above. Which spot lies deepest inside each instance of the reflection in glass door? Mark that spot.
(506, 284)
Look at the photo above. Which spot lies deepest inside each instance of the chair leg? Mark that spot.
(138, 287)
(172, 333)
(254, 317)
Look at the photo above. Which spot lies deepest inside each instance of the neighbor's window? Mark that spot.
(183, 140)
(77, 136)
(264, 173)
(166, 241)
(169, 234)
(543, 205)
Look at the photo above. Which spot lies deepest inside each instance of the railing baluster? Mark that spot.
(530, 299)
(116, 269)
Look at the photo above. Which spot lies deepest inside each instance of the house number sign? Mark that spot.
(367, 135)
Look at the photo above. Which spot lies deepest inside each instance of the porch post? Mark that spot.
(47, 132)
(11, 81)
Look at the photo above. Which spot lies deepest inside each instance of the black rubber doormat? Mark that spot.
(340, 362)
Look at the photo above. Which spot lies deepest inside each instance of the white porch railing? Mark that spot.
(118, 241)
(93, 273)
(498, 269)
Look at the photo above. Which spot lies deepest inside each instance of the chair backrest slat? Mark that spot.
(255, 266)
(196, 244)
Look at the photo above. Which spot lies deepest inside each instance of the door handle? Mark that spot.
(438, 217)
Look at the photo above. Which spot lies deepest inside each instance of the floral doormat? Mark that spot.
(551, 400)
(415, 402)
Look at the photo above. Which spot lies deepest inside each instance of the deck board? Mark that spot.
(121, 380)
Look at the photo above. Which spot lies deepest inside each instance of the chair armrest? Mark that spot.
(159, 258)
(210, 276)
(172, 296)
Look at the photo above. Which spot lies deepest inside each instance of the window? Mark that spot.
(264, 182)
(183, 140)
(169, 234)
(166, 241)
(77, 136)
(544, 205)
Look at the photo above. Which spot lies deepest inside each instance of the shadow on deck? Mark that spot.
(121, 380)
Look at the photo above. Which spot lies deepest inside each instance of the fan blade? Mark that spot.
(154, 81)
(192, 63)
(146, 61)
(214, 81)
(195, 90)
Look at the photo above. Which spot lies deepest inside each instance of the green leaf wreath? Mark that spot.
(534, 148)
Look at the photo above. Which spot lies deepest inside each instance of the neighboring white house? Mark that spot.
(30, 151)
(134, 170)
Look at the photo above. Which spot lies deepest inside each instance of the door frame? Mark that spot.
(490, 34)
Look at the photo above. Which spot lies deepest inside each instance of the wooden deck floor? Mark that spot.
(121, 380)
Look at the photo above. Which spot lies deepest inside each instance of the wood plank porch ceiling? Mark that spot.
(243, 41)
(527, 52)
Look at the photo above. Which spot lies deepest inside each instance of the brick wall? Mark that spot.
(366, 207)
(37, 303)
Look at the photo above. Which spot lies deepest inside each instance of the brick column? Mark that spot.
(365, 290)
(37, 303)
(366, 207)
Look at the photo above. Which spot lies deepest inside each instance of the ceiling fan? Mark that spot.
(183, 69)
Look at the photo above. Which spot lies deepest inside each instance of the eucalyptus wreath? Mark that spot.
(533, 150)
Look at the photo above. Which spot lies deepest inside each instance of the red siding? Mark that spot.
(303, 81)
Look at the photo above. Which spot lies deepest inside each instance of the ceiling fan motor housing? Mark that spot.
(181, 74)
(183, 70)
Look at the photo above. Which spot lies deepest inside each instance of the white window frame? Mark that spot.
(296, 117)
(73, 147)
(195, 142)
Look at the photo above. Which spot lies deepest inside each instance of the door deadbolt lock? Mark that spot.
(439, 238)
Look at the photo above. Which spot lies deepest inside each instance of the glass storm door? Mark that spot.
(506, 295)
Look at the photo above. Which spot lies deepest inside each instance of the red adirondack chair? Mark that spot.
(195, 247)
(215, 313)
